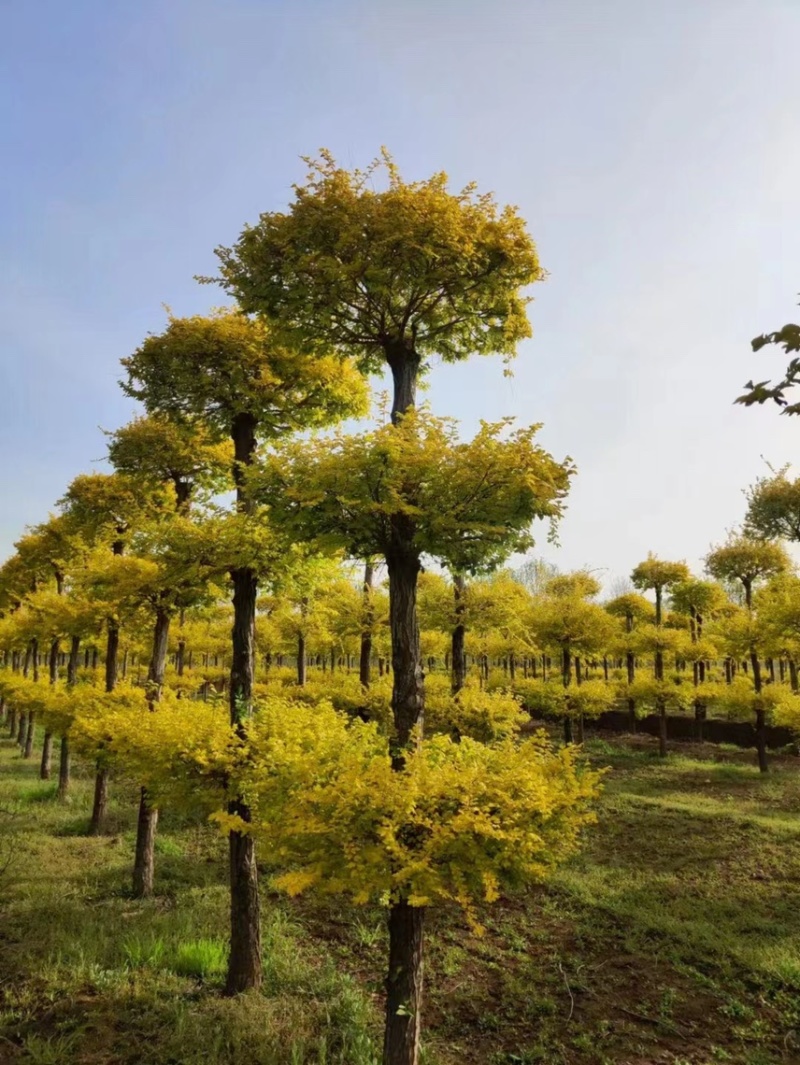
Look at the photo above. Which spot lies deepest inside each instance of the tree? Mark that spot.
(659, 576)
(494, 612)
(161, 452)
(305, 611)
(632, 609)
(105, 509)
(749, 561)
(779, 617)
(698, 600)
(565, 621)
(534, 574)
(393, 277)
(43, 554)
(181, 563)
(773, 508)
(164, 451)
(579, 584)
(468, 505)
(231, 373)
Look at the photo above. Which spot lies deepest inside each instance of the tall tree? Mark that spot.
(394, 276)
(183, 456)
(230, 373)
(469, 505)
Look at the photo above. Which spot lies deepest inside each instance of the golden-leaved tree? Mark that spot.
(232, 374)
(468, 505)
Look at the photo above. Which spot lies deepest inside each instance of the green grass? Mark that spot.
(673, 937)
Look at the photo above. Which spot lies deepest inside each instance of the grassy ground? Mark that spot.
(674, 937)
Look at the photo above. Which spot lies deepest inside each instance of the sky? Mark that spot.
(652, 147)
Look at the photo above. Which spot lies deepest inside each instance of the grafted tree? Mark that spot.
(631, 609)
(231, 373)
(773, 508)
(565, 620)
(698, 601)
(105, 509)
(183, 455)
(658, 576)
(749, 562)
(469, 505)
(394, 276)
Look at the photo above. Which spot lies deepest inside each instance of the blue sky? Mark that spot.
(653, 148)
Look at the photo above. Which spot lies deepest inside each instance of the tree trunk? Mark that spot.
(22, 730)
(301, 660)
(47, 757)
(244, 960)
(793, 683)
(52, 662)
(65, 760)
(100, 805)
(404, 364)
(45, 767)
(365, 658)
(147, 822)
(457, 655)
(112, 651)
(144, 862)
(404, 985)
(630, 665)
(158, 659)
(404, 979)
(244, 964)
(12, 723)
(761, 719)
(408, 696)
(29, 734)
(64, 769)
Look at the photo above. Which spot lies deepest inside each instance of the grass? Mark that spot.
(674, 937)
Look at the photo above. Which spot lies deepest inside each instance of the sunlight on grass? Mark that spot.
(681, 909)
